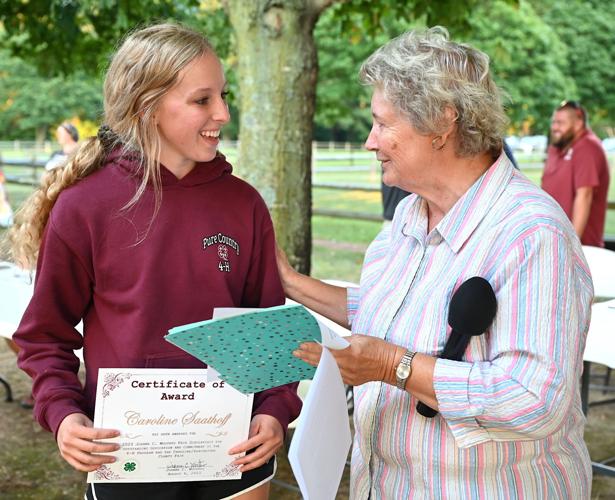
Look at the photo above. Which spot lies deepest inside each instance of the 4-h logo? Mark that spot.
(225, 246)
(130, 466)
(223, 252)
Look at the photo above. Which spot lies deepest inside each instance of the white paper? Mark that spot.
(175, 425)
(319, 449)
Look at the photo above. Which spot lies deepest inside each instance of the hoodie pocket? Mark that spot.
(172, 360)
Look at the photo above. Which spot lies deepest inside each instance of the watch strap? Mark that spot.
(406, 360)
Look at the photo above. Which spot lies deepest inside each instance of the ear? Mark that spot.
(450, 120)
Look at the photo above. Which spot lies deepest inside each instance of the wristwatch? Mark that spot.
(404, 369)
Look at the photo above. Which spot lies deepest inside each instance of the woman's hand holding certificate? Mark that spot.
(79, 446)
(265, 438)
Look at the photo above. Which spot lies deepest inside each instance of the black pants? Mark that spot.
(188, 490)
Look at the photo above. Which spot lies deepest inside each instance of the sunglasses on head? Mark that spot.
(574, 105)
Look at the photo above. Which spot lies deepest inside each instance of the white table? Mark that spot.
(15, 291)
(601, 262)
(16, 287)
(599, 348)
(600, 345)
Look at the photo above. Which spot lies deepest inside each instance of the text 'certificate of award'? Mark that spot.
(175, 425)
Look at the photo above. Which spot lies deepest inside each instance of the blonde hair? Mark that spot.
(423, 72)
(144, 68)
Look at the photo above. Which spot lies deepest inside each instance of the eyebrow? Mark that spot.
(208, 89)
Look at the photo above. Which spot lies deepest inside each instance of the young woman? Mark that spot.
(119, 236)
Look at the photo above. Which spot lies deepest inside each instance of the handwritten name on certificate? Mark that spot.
(175, 425)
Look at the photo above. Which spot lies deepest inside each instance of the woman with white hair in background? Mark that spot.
(509, 422)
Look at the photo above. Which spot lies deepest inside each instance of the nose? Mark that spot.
(221, 112)
(371, 144)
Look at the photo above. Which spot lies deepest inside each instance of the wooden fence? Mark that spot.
(337, 158)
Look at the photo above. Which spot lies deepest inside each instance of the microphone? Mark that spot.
(470, 312)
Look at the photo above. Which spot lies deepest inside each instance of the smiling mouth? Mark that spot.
(212, 134)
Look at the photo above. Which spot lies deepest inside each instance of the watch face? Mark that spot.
(402, 371)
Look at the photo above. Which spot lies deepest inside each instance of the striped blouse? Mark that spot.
(510, 423)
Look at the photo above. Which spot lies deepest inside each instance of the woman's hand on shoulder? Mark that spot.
(367, 358)
(78, 443)
(285, 270)
(265, 438)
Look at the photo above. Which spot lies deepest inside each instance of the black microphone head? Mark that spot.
(473, 307)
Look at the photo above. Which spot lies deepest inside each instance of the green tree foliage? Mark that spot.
(30, 103)
(587, 29)
(528, 60)
(61, 35)
(342, 104)
(61, 48)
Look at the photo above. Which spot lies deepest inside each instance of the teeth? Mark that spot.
(210, 133)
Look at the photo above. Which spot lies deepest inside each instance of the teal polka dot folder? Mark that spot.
(252, 351)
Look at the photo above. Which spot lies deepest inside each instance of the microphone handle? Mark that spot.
(453, 349)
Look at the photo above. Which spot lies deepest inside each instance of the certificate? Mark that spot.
(175, 425)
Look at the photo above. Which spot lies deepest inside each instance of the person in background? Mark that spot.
(509, 422)
(6, 212)
(121, 229)
(576, 172)
(391, 196)
(68, 139)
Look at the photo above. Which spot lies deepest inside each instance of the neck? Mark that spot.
(178, 169)
(577, 136)
(454, 178)
(574, 139)
(68, 148)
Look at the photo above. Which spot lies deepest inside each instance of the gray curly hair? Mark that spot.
(423, 72)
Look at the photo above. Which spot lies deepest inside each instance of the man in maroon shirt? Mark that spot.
(576, 173)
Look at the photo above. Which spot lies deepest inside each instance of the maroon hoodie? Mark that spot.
(131, 275)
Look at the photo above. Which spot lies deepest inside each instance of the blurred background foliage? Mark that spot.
(53, 55)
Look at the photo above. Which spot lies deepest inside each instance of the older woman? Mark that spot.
(510, 423)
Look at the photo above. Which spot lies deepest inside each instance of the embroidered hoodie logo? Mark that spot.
(223, 242)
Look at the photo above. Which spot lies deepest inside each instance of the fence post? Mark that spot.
(314, 151)
(34, 177)
(349, 153)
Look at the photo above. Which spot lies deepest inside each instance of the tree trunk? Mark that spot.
(277, 75)
(40, 136)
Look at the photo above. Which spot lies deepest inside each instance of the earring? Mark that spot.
(436, 147)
